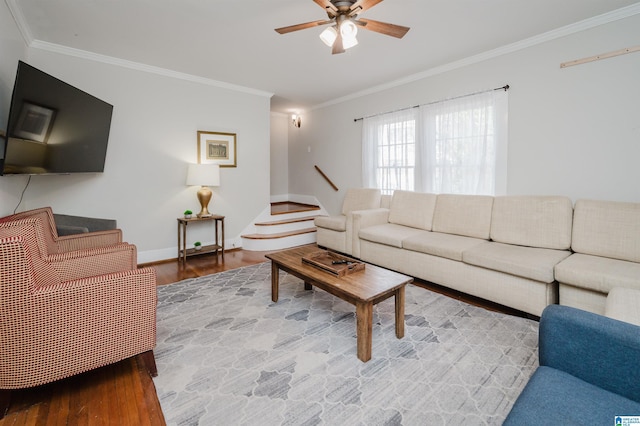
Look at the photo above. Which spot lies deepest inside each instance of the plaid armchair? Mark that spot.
(61, 244)
(67, 313)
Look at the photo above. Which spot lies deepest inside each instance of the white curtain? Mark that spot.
(457, 146)
(388, 150)
(460, 143)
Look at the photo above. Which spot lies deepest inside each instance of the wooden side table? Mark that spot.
(218, 246)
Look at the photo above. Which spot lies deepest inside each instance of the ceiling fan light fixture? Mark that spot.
(348, 29)
(343, 20)
(349, 42)
(329, 35)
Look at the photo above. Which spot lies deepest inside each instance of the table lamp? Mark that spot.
(204, 175)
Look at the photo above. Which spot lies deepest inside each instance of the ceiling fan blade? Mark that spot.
(392, 30)
(326, 5)
(337, 45)
(297, 27)
(362, 5)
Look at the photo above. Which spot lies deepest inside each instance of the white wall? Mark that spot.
(572, 131)
(153, 137)
(279, 157)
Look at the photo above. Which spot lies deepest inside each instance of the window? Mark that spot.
(456, 146)
(391, 151)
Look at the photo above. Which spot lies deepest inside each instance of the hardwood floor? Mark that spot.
(123, 393)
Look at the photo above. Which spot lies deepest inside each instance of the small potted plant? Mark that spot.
(197, 245)
(188, 214)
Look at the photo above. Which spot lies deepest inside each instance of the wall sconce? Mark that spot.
(295, 119)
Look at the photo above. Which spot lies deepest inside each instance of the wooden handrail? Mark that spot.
(326, 178)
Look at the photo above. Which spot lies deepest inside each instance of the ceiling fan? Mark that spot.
(343, 15)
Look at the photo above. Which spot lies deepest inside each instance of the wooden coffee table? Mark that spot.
(363, 289)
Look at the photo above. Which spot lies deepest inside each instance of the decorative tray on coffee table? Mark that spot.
(333, 263)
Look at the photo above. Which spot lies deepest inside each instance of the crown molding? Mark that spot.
(583, 25)
(18, 17)
(69, 51)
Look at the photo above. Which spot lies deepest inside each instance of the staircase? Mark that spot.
(289, 225)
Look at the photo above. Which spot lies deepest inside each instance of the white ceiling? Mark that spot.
(234, 41)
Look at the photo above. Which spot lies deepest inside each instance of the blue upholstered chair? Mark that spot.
(589, 371)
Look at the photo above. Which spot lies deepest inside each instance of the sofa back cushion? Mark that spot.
(467, 215)
(414, 209)
(385, 201)
(607, 228)
(534, 221)
(360, 199)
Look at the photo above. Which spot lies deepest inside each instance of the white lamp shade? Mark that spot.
(328, 36)
(348, 29)
(203, 174)
(349, 42)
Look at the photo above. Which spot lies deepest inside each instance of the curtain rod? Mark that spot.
(505, 88)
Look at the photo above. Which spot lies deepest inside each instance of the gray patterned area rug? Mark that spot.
(228, 355)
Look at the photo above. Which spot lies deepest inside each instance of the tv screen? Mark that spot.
(54, 128)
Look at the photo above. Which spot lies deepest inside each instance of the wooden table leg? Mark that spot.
(364, 320)
(307, 286)
(275, 275)
(222, 240)
(184, 243)
(400, 312)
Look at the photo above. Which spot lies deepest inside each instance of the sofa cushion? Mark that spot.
(441, 245)
(597, 273)
(553, 397)
(623, 304)
(336, 223)
(389, 234)
(385, 201)
(607, 228)
(360, 199)
(534, 221)
(467, 215)
(414, 209)
(528, 262)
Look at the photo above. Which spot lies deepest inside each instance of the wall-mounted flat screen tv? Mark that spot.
(54, 128)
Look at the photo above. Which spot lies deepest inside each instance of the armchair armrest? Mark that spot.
(89, 240)
(78, 264)
(599, 350)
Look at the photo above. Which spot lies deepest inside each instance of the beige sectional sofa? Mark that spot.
(606, 246)
(511, 250)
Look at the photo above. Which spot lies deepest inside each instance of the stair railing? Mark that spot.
(326, 178)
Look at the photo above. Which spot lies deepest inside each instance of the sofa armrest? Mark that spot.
(366, 218)
(361, 219)
(596, 349)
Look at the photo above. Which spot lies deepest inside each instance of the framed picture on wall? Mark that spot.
(217, 148)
